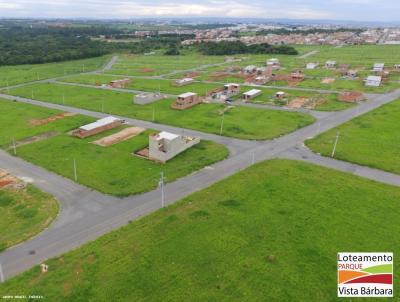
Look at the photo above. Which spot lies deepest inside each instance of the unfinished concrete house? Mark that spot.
(251, 94)
(311, 66)
(165, 146)
(344, 68)
(351, 97)
(261, 80)
(122, 83)
(147, 98)
(330, 64)
(274, 63)
(379, 67)
(351, 73)
(99, 126)
(280, 95)
(231, 89)
(186, 100)
(184, 81)
(373, 81)
(396, 67)
(297, 75)
(250, 69)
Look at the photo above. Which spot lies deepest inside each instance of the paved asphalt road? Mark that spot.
(85, 214)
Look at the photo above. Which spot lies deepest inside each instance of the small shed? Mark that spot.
(280, 95)
(99, 126)
(184, 81)
(330, 64)
(251, 94)
(373, 81)
(379, 67)
(311, 65)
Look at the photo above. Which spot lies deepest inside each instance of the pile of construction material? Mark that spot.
(120, 136)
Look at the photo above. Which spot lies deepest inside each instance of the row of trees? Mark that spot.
(232, 48)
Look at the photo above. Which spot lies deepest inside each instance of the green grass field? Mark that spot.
(140, 65)
(217, 244)
(113, 170)
(12, 75)
(372, 139)
(24, 213)
(240, 122)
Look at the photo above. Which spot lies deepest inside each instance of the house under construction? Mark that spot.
(165, 146)
(186, 100)
(122, 83)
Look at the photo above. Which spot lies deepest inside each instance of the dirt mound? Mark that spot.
(192, 74)
(123, 135)
(50, 119)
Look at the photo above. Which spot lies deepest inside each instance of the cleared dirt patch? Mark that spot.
(9, 181)
(192, 74)
(146, 70)
(36, 138)
(123, 135)
(327, 81)
(297, 103)
(50, 119)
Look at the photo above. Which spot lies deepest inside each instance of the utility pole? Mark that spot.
(335, 145)
(32, 95)
(83, 67)
(75, 172)
(14, 147)
(222, 123)
(1, 274)
(154, 114)
(162, 190)
(253, 158)
(102, 106)
(63, 99)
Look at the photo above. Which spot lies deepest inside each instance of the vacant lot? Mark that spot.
(24, 213)
(166, 86)
(239, 240)
(144, 84)
(240, 122)
(372, 139)
(159, 64)
(12, 75)
(113, 170)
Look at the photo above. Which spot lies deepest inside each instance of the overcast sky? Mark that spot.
(358, 10)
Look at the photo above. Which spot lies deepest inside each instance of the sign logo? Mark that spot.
(365, 274)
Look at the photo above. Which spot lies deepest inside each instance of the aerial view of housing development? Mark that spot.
(199, 151)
